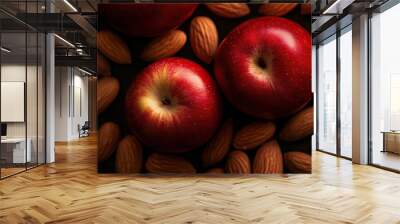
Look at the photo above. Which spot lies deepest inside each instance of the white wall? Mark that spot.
(15, 72)
(80, 110)
(33, 127)
(61, 103)
(70, 83)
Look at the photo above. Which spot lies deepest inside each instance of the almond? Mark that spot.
(107, 140)
(238, 162)
(298, 162)
(113, 47)
(268, 158)
(107, 90)
(163, 163)
(305, 9)
(164, 46)
(219, 145)
(299, 126)
(253, 135)
(216, 170)
(229, 10)
(129, 155)
(103, 66)
(203, 38)
(276, 9)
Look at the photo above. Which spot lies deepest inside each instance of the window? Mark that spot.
(346, 92)
(327, 95)
(385, 89)
(334, 106)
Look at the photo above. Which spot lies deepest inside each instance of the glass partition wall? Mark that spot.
(334, 94)
(22, 77)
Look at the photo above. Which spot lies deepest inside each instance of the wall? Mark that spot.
(17, 73)
(360, 89)
(33, 127)
(61, 103)
(71, 102)
(80, 109)
(92, 98)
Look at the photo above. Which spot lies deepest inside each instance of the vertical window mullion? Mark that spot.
(369, 77)
(37, 90)
(338, 73)
(26, 87)
(0, 91)
(317, 96)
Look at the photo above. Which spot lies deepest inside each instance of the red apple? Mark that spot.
(173, 105)
(145, 20)
(264, 67)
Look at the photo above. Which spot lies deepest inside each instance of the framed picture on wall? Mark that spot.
(13, 101)
(204, 88)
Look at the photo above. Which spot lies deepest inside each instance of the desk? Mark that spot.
(13, 150)
(391, 141)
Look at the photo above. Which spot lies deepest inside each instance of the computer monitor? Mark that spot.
(3, 129)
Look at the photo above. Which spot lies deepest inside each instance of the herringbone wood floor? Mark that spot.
(70, 191)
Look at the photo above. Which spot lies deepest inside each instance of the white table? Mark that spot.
(17, 146)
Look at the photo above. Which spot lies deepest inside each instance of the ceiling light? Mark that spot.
(64, 40)
(70, 5)
(337, 7)
(84, 71)
(5, 50)
(333, 6)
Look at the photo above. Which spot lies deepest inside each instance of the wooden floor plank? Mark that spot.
(71, 191)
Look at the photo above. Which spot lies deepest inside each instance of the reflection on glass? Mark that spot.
(346, 94)
(22, 92)
(41, 98)
(15, 150)
(31, 100)
(385, 92)
(327, 96)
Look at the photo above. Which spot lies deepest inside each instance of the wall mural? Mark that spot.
(204, 88)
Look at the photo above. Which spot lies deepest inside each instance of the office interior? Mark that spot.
(48, 117)
(44, 96)
(37, 58)
(374, 92)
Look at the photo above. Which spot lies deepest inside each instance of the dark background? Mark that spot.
(126, 73)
